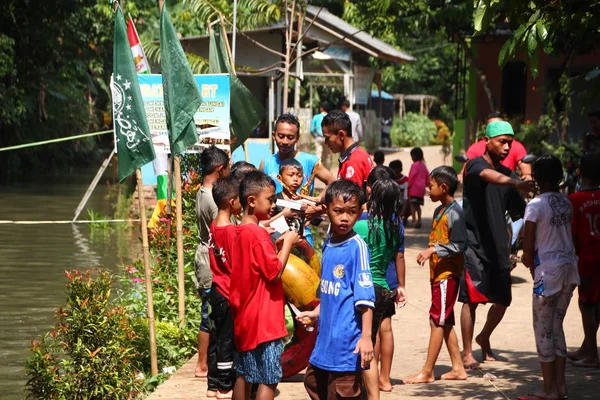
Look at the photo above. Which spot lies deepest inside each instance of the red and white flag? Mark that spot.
(141, 63)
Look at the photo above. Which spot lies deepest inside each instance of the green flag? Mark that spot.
(180, 91)
(246, 111)
(134, 144)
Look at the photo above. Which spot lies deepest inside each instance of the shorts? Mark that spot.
(390, 311)
(483, 283)
(325, 385)
(261, 365)
(417, 200)
(383, 300)
(204, 310)
(589, 274)
(443, 299)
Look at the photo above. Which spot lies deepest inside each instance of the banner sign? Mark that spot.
(212, 119)
(363, 78)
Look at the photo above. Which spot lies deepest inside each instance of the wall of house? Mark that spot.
(488, 50)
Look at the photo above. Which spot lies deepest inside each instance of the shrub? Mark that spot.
(89, 354)
(414, 130)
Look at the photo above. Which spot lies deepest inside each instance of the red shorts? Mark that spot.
(443, 297)
(589, 274)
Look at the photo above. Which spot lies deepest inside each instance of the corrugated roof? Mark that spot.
(348, 31)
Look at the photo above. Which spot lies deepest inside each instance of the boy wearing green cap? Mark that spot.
(490, 190)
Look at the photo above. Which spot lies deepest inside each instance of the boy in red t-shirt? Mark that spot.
(585, 228)
(256, 293)
(355, 162)
(221, 240)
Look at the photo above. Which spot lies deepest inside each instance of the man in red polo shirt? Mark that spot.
(355, 162)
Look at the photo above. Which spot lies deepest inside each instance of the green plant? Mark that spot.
(89, 354)
(99, 222)
(414, 130)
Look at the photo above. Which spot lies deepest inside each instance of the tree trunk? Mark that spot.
(478, 70)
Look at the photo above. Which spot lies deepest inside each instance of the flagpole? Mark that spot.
(234, 31)
(147, 274)
(180, 264)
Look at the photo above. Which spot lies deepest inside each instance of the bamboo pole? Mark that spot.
(147, 274)
(180, 264)
(93, 185)
(227, 47)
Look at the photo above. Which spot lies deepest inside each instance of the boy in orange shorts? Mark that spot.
(585, 227)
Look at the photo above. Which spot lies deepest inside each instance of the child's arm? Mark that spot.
(313, 316)
(364, 346)
(458, 235)
(289, 240)
(401, 273)
(529, 245)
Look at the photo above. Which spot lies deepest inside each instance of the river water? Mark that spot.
(33, 259)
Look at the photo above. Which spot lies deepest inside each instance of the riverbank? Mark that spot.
(517, 370)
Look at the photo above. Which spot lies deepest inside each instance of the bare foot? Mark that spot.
(224, 395)
(470, 362)
(421, 377)
(486, 348)
(588, 362)
(385, 386)
(211, 394)
(576, 355)
(201, 371)
(460, 375)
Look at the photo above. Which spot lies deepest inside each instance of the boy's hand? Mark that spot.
(308, 318)
(400, 296)
(424, 255)
(291, 237)
(365, 348)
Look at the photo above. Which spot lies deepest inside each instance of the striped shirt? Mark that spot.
(346, 284)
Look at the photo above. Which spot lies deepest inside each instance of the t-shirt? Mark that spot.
(308, 162)
(255, 295)
(555, 259)
(418, 178)
(402, 181)
(206, 212)
(484, 206)
(357, 129)
(516, 153)
(345, 285)
(221, 242)
(315, 127)
(381, 254)
(355, 165)
(449, 237)
(586, 224)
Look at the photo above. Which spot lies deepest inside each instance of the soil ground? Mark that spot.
(517, 371)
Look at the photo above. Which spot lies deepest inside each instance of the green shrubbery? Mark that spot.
(99, 348)
(414, 130)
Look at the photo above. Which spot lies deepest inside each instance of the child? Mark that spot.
(586, 238)
(402, 181)
(215, 164)
(417, 182)
(240, 169)
(344, 346)
(381, 228)
(549, 253)
(256, 295)
(222, 236)
(291, 176)
(447, 244)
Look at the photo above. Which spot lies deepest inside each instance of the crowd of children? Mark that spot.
(239, 268)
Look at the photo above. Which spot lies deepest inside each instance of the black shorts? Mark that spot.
(417, 200)
(483, 283)
(383, 300)
(390, 311)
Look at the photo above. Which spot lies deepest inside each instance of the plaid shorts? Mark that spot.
(262, 364)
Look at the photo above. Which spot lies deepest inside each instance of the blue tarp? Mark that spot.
(384, 95)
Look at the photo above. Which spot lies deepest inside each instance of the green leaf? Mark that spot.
(592, 74)
(520, 33)
(533, 64)
(541, 30)
(506, 52)
(479, 15)
(535, 16)
(532, 41)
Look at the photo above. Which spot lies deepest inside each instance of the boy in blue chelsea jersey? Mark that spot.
(344, 344)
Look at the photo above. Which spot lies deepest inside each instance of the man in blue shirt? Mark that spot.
(344, 344)
(317, 131)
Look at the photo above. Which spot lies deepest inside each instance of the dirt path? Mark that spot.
(517, 371)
